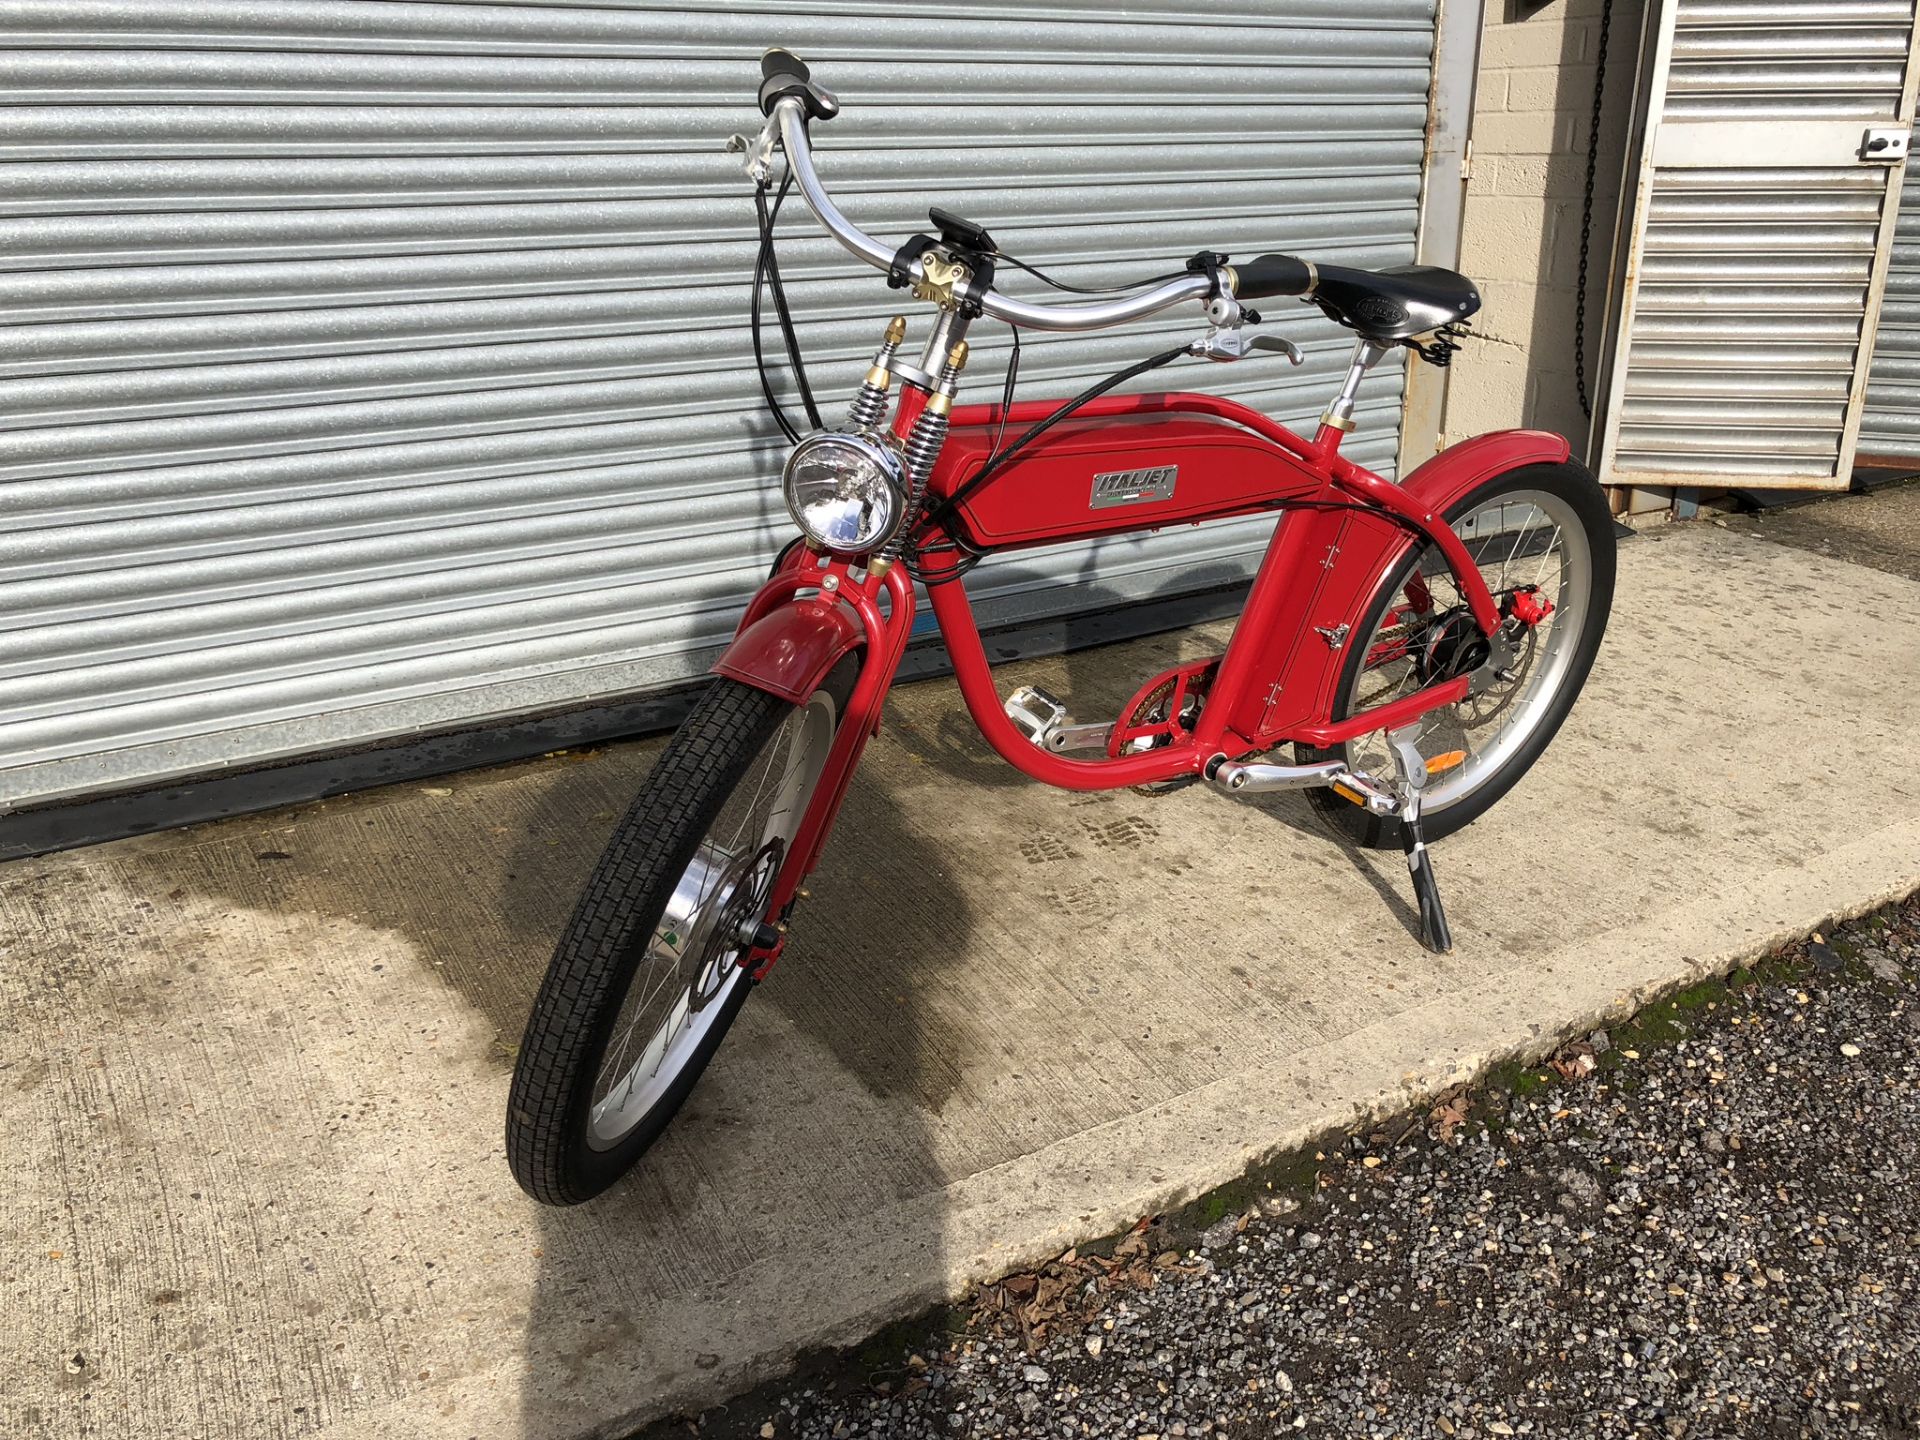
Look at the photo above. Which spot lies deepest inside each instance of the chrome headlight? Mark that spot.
(845, 492)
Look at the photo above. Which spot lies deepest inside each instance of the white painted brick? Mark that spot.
(1487, 391)
(1538, 177)
(1521, 228)
(1542, 40)
(1545, 134)
(1547, 88)
(1503, 239)
(1507, 310)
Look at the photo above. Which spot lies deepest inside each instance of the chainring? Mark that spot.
(1161, 711)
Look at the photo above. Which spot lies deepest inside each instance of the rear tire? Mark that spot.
(1556, 655)
(579, 1115)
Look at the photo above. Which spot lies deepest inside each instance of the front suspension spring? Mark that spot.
(869, 408)
(923, 448)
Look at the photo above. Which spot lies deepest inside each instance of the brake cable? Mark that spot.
(1046, 279)
(1006, 395)
(766, 271)
(1001, 459)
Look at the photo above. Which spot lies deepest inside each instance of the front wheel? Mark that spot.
(1542, 537)
(646, 978)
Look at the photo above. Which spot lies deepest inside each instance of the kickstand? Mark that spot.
(1434, 933)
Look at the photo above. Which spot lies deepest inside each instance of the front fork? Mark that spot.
(885, 633)
(920, 427)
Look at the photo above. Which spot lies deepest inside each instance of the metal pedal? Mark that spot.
(1044, 720)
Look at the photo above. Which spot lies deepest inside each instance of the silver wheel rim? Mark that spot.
(1525, 537)
(690, 969)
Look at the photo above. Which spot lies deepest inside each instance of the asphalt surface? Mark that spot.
(1703, 1223)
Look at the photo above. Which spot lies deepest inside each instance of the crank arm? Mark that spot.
(1239, 778)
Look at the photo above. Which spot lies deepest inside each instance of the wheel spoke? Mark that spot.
(1487, 725)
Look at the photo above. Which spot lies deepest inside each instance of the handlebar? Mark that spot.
(790, 97)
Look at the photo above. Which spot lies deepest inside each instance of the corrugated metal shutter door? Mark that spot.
(1890, 428)
(1756, 242)
(380, 366)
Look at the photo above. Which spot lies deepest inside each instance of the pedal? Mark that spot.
(1044, 720)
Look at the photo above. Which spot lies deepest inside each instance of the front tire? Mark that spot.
(645, 982)
(1541, 526)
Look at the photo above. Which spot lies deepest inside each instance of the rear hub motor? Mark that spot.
(1448, 646)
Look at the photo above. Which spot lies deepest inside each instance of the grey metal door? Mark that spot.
(1762, 220)
(375, 366)
(1890, 426)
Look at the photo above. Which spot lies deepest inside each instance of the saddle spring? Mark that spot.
(1445, 342)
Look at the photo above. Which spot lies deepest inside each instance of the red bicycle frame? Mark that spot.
(1340, 530)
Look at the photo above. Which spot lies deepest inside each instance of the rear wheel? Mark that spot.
(646, 979)
(1543, 539)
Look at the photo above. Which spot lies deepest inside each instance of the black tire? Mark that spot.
(549, 1106)
(1577, 487)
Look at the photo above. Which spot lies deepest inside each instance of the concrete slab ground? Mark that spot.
(253, 1073)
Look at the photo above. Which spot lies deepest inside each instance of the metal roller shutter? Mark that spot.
(373, 367)
(1890, 428)
(1759, 242)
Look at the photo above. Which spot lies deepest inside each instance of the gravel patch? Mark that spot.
(1704, 1223)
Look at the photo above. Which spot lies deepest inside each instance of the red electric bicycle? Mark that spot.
(1416, 645)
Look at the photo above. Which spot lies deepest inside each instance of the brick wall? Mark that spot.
(1520, 236)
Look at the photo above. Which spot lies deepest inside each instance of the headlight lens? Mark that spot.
(845, 491)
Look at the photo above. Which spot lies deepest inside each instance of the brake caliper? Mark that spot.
(1529, 606)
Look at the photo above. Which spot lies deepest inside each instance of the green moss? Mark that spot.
(1294, 1173)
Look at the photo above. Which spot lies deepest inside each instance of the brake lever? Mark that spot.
(758, 152)
(1235, 344)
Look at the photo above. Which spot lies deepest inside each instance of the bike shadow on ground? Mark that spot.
(1097, 676)
(829, 1101)
(821, 1108)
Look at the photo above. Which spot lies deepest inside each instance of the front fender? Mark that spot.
(788, 651)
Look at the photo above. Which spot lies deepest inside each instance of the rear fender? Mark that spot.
(1455, 471)
(789, 650)
(1369, 547)
(1443, 482)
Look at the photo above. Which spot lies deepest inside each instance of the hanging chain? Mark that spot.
(1586, 212)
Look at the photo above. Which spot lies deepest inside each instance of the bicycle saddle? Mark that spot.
(1395, 303)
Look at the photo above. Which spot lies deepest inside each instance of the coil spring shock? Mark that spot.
(923, 445)
(869, 410)
(922, 450)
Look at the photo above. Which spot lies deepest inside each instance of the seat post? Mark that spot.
(1338, 419)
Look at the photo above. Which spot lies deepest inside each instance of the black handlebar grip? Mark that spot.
(784, 63)
(1273, 275)
(783, 73)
